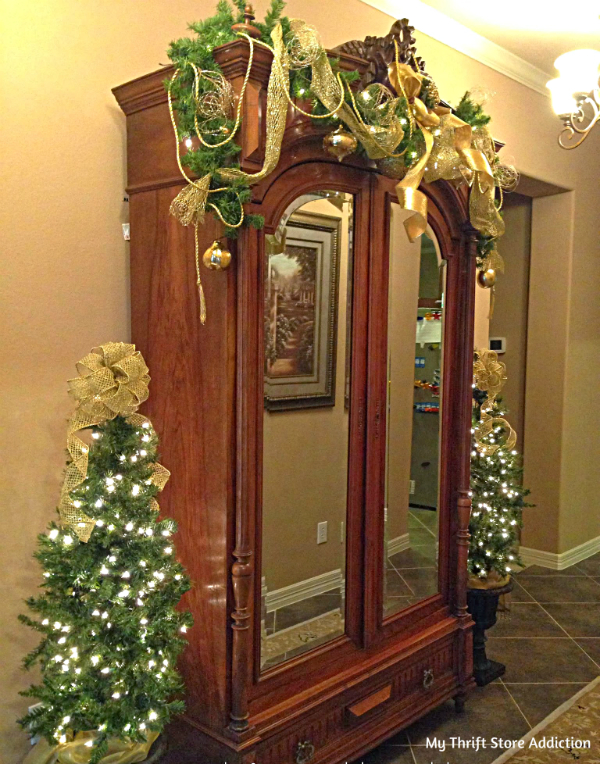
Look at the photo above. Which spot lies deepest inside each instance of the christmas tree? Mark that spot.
(111, 633)
(497, 493)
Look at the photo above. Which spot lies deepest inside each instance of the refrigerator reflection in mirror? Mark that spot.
(415, 339)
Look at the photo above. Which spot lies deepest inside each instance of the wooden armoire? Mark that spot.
(330, 611)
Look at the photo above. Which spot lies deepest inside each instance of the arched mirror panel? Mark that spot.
(415, 323)
(307, 380)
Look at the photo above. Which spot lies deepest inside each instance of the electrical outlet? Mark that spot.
(322, 532)
(411, 486)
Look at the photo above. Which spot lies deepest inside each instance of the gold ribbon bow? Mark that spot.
(113, 381)
(75, 751)
(489, 375)
(407, 82)
(449, 156)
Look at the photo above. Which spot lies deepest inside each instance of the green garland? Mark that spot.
(216, 31)
(210, 34)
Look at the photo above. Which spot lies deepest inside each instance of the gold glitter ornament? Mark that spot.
(487, 278)
(216, 257)
(340, 143)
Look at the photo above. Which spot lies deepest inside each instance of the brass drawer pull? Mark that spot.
(427, 679)
(304, 752)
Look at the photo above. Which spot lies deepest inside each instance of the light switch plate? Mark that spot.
(322, 532)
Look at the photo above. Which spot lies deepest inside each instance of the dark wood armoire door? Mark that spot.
(300, 195)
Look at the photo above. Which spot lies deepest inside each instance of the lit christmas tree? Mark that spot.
(497, 494)
(111, 633)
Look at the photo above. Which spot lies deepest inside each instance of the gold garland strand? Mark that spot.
(453, 149)
(198, 279)
(277, 94)
(190, 203)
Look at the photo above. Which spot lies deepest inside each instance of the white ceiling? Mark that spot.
(536, 31)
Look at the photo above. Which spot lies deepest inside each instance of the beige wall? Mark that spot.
(402, 311)
(305, 466)
(511, 304)
(64, 263)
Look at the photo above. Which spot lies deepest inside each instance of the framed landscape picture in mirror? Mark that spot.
(300, 319)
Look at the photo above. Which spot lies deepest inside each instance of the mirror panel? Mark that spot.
(307, 318)
(415, 337)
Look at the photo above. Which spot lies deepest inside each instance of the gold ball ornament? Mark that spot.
(216, 257)
(486, 279)
(340, 143)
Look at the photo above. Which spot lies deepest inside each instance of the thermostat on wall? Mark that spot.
(498, 344)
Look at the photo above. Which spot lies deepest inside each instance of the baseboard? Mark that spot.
(560, 561)
(303, 590)
(399, 544)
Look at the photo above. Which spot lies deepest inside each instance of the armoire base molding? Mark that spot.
(342, 724)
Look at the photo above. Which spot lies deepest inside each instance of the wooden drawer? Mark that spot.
(369, 711)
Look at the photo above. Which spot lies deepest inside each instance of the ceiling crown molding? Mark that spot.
(446, 30)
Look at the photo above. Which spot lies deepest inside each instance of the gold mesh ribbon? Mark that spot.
(449, 155)
(453, 150)
(113, 381)
(483, 213)
(75, 751)
(407, 82)
(493, 260)
(189, 206)
(277, 95)
(378, 142)
(489, 375)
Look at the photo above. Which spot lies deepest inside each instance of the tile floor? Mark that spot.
(551, 648)
(412, 575)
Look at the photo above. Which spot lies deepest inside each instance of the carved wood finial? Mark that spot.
(247, 27)
(380, 52)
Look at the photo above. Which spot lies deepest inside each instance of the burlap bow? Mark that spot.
(490, 376)
(113, 381)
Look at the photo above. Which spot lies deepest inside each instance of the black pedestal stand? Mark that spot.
(483, 606)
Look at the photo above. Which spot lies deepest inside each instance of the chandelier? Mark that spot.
(576, 95)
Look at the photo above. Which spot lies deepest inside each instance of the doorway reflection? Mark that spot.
(415, 338)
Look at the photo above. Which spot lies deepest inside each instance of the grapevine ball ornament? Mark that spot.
(303, 48)
(217, 101)
(378, 104)
(216, 257)
(486, 279)
(340, 143)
